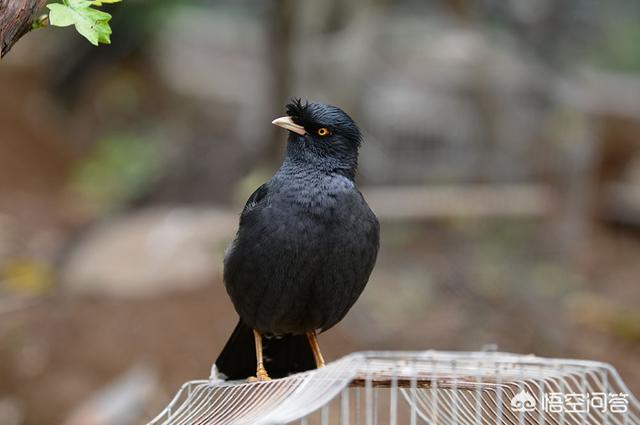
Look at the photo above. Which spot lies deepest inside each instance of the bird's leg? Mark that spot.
(261, 372)
(313, 341)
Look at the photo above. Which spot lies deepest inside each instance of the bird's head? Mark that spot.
(321, 134)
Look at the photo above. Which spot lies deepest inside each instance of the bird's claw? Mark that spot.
(261, 376)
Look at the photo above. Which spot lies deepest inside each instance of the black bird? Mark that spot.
(304, 250)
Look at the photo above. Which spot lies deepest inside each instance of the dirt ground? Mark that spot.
(58, 352)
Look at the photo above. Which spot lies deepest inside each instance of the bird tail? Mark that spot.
(282, 355)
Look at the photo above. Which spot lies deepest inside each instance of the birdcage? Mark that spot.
(430, 387)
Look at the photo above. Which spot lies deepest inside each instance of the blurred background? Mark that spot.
(502, 155)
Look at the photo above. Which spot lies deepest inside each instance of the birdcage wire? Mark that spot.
(432, 387)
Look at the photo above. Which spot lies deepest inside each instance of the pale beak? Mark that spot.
(288, 124)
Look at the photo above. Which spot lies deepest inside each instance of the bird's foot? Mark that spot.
(261, 375)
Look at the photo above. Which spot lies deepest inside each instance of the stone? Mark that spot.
(150, 251)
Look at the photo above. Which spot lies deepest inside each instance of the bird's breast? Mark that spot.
(300, 261)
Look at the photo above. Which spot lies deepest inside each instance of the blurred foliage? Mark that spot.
(600, 312)
(118, 169)
(507, 259)
(618, 47)
(626, 325)
(26, 276)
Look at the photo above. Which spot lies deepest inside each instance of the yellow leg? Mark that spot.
(261, 372)
(313, 341)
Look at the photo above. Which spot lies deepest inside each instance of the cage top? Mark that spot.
(480, 383)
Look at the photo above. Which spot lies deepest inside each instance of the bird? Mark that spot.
(306, 245)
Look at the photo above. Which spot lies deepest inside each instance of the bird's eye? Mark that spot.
(323, 131)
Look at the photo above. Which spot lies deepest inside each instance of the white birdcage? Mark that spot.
(430, 387)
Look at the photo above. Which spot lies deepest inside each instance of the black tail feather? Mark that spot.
(282, 355)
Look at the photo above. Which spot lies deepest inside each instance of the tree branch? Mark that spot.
(16, 18)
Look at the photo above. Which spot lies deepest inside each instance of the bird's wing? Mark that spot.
(255, 199)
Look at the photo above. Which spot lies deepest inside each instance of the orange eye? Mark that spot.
(323, 131)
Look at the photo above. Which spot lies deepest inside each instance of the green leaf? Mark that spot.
(101, 2)
(60, 15)
(91, 23)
